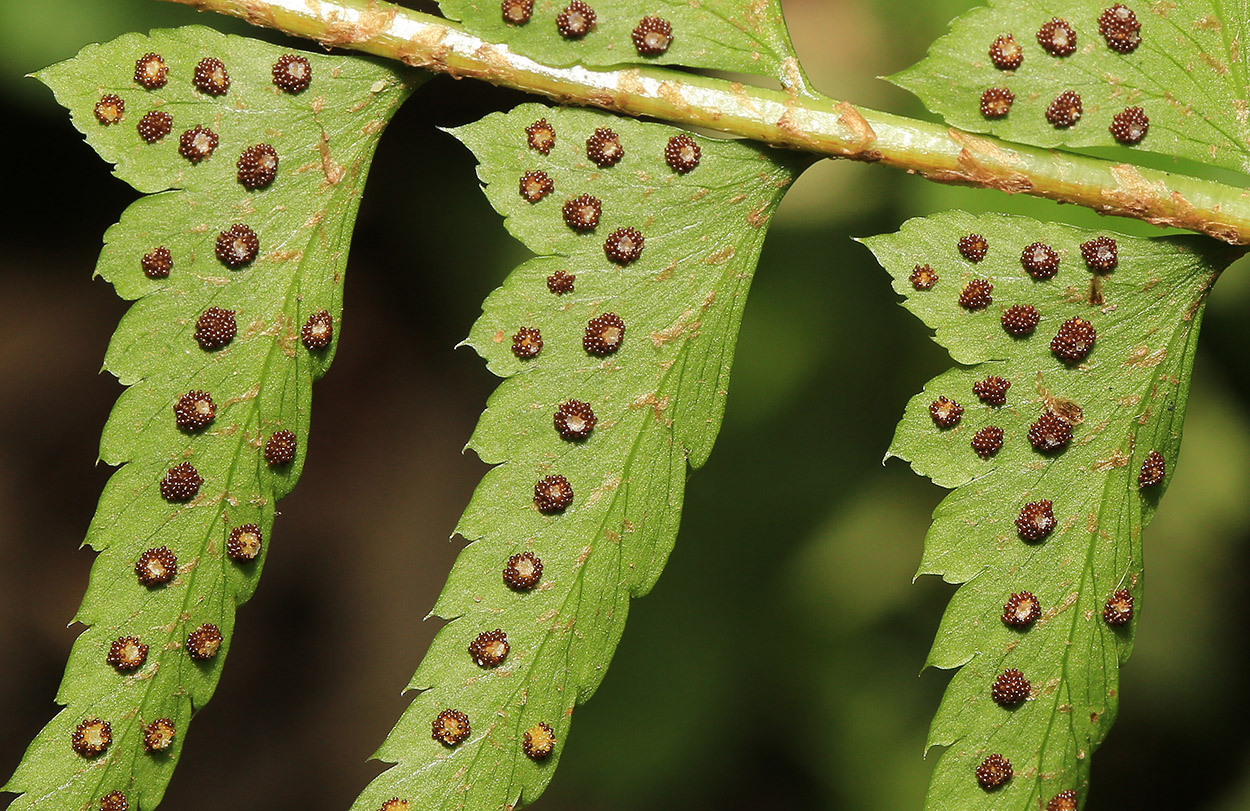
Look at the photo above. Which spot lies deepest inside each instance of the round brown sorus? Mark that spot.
(541, 136)
(194, 410)
(158, 735)
(561, 282)
(1063, 801)
(973, 247)
(624, 245)
(575, 420)
(204, 642)
(604, 148)
(151, 72)
(1130, 125)
(451, 728)
(396, 804)
(211, 77)
(258, 166)
(1057, 37)
(653, 35)
(156, 566)
(127, 653)
(1020, 320)
(197, 143)
(988, 441)
(1010, 688)
(281, 448)
(1074, 341)
(604, 334)
(1119, 609)
(553, 494)
(490, 648)
(91, 737)
(1051, 433)
(244, 543)
(576, 20)
(1040, 261)
(1065, 110)
(1120, 28)
(237, 246)
(534, 186)
(996, 102)
(155, 125)
(114, 801)
(516, 12)
(523, 571)
(945, 413)
(1036, 520)
(582, 213)
(181, 483)
(1153, 470)
(292, 73)
(1123, 41)
(976, 295)
(923, 277)
(215, 328)
(1101, 254)
(538, 742)
(992, 390)
(527, 343)
(993, 772)
(1021, 610)
(682, 154)
(1117, 18)
(318, 331)
(157, 263)
(109, 109)
(1006, 53)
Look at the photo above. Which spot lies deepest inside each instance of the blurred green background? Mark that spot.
(776, 664)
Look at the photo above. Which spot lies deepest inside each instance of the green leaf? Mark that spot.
(1126, 399)
(748, 36)
(324, 138)
(658, 402)
(1187, 75)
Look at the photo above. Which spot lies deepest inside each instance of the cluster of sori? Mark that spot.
(236, 247)
(1049, 436)
(489, 649)
(583, 212)
(1120, 30)
(573, 420)
(652, 36)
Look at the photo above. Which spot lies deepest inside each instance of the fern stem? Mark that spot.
(814, 124)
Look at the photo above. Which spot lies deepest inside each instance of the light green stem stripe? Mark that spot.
(811, 123)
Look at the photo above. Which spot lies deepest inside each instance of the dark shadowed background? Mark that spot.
(776, 663)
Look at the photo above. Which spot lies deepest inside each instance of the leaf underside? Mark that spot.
(260, 382)
(748, 36)
(1188, 75)
(1126, 399)
(658, 402)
